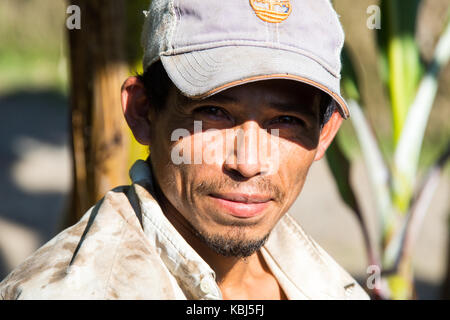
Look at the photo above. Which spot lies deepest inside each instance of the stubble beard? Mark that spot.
(232, 245)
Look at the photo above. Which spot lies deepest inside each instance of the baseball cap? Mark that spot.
(207, 46)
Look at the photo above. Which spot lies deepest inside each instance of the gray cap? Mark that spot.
(207, 46)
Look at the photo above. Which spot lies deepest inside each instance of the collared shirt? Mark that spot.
(125, 248)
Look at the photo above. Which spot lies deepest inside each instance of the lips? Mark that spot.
(242, 205)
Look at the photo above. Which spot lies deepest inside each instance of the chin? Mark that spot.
(236, 242)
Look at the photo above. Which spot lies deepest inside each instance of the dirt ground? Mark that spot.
(35, 171)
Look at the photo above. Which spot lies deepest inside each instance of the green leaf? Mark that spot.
(400, 63)
(340, 166)
(378, 172)
(349, 81)
(407, 153)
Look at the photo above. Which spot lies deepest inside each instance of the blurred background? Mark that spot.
(40, 92)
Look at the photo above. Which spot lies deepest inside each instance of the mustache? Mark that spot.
(260, 186)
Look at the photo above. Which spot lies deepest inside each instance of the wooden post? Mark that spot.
(100, 138)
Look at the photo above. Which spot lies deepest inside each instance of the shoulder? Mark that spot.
(298, 254)
(352, 290)
(100, 257)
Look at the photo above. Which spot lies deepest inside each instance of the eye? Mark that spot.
(214, 113)
(289, 120)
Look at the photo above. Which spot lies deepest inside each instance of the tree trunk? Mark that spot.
(100, 137)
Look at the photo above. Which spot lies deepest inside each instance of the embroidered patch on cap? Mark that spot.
(273, 11)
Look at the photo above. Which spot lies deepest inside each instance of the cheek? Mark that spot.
(178, 167)
(295, 162)
(167, 173)
(200, 147)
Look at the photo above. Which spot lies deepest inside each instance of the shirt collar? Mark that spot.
(193, 274)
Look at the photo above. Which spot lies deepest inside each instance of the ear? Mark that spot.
(328, 133)
(135, 106)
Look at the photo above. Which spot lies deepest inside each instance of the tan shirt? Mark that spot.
(125, 248)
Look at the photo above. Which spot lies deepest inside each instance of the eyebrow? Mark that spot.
(218, 98)
(300, 108)
(221, 97)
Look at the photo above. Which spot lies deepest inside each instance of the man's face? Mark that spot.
(235, 182)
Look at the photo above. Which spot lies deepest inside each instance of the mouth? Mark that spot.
(242, 205)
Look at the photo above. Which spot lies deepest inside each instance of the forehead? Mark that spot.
(270, 92)
(273, 89)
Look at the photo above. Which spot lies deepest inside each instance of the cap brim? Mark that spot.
(200, 74)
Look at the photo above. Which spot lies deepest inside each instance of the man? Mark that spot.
(237, 100)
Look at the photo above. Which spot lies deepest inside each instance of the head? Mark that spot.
(264, 135)
(248, 108)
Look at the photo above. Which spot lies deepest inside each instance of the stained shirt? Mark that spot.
(124, 247)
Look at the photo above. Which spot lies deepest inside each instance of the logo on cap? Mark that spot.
(273, 11)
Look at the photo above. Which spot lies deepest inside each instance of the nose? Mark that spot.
(244, 157)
